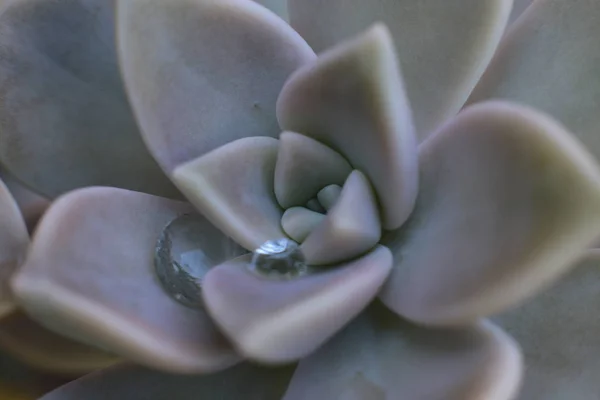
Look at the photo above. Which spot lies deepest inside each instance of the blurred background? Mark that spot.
(19, 382)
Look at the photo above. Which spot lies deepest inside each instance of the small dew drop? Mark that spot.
(280, 258)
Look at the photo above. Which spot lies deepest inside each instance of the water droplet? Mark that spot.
(281, 258)
(187, 248)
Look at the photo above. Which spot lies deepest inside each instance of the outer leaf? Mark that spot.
(380, 357)
(64, 119)
(508, 202)
(559, 333)
(550, 60)
(202, 73)
(443, 46)
(90, 276)
(519, 7)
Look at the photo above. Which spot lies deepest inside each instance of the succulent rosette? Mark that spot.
(337, 203)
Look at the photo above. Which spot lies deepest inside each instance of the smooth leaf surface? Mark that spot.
(90, 276)
(508, 201)
(65, 121)
(282, 320)
(233, 187)
(203, 73)
(558, 331)
(443, 46)
(381, 357)
(550, 60)
(351, 227)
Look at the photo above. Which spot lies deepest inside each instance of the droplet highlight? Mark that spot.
(280, 258)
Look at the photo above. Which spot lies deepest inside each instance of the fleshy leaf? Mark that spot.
(304, 166)
(381, 357)
(203, 73)
(352, 100)
(329, 195)
(508, 201)
(135, 383)
(90, 276)
(519, 8)
(299, 222)
(233, 187)
(14, 241)
(65, 121)
(351, 227)
(275, 320)
(443, 46)
(558, 331)
(39, 347)
(550, 60)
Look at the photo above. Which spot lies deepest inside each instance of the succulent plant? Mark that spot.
(327, 208)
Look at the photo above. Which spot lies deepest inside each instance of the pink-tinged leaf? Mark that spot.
(203, 73)
(90, 275)
(275, 320)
